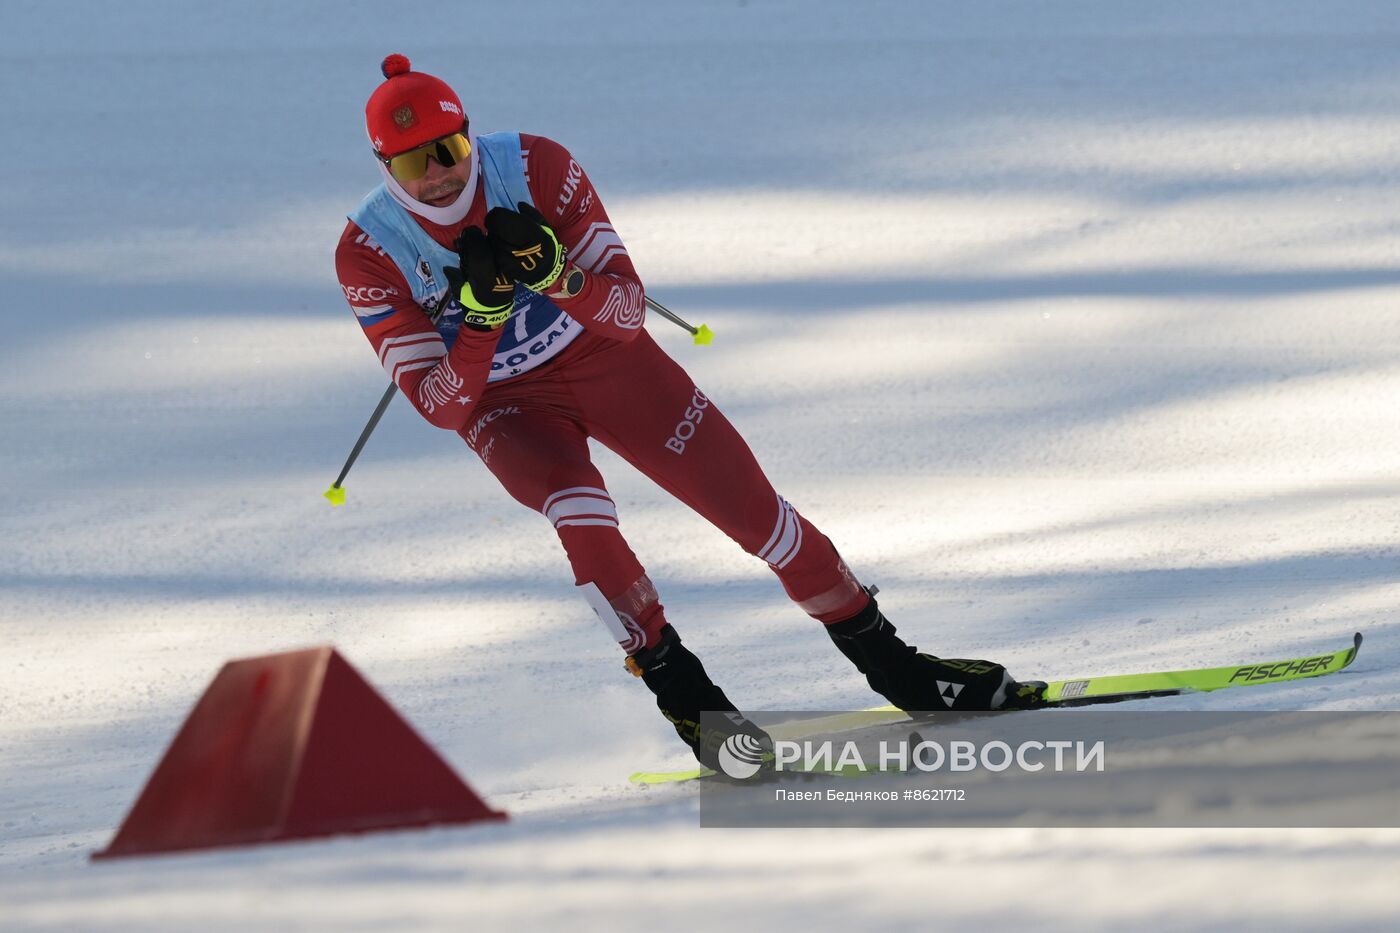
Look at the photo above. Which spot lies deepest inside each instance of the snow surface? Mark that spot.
(1073, 324)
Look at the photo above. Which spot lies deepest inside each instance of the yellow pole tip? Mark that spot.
(335, 495)
(703, 335)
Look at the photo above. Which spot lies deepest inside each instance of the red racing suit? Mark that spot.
(611, 383)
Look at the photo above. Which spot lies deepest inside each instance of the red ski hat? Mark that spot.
(410, 108)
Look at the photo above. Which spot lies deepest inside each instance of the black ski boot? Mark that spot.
(726, 742)
(917, 682)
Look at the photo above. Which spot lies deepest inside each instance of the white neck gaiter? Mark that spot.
(443, 216)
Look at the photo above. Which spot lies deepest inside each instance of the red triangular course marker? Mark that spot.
(291, 746)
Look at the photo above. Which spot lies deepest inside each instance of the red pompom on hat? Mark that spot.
(410, 108)
(395, 65)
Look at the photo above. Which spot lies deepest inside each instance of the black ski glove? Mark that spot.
(484, 292)
(527, 251)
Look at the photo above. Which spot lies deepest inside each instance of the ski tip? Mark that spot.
(1352, 652)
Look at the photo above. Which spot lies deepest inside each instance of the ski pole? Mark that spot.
(336, 494)
(702, 334)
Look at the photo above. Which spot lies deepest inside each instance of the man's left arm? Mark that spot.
(611, 302)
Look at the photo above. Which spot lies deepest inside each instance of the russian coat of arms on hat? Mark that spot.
(404, 117)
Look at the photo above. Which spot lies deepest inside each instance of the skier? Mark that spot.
(500, 299)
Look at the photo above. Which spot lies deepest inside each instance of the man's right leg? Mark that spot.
(540, 456)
